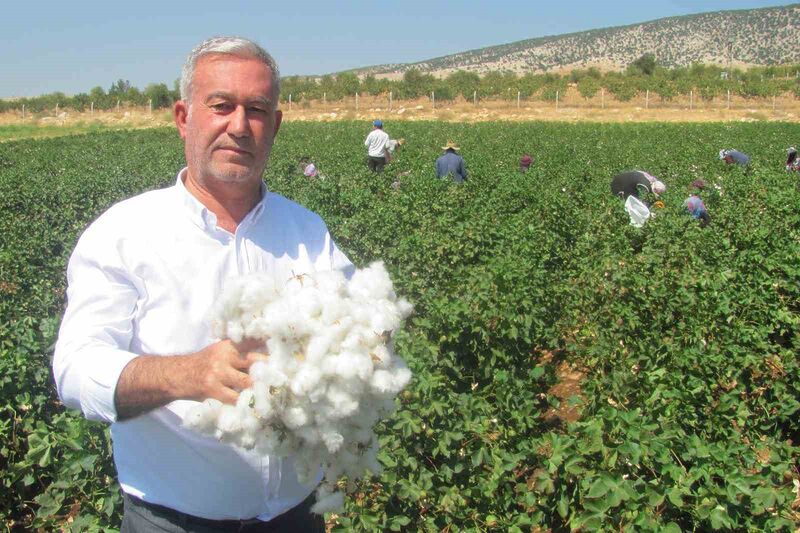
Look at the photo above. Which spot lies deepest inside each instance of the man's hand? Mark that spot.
(218, 371)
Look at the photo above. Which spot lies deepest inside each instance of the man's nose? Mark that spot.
(238, 125)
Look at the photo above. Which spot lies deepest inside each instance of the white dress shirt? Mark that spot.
(142, 280)
(376, 143)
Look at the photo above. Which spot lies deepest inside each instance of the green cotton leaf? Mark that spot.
(49, 504)
(762, 499)
(672, 527)
(397, 523)
(562, 507)
(675, 498)
(719, 518)
(598, 489)
(654, 498)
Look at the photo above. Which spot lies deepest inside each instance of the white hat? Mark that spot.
(722, 154)
(658, 187)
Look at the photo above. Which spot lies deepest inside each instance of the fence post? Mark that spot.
(729, 98)
(150, 106)
(23, 111)
(691, 99)
(290, 101)
(603, 98)
(324, 100)
(56, 108)
(117, 105)
(556, 99)
(474, 97)
(518, 94)
(433, 99)
(647, 99)
(390, 100)
(91, 109)
(356, 101)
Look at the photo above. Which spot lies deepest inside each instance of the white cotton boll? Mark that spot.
(333, 440)
(234, 331)
(246, 400)
(400, 378)
(245, 440)
(404, 308)
(333, 311)
(382, 381)
(306, 379)
(349, 365)
(250, 423)
(384, 320)
(295, 417)
(342, 403)
(257, 328)
(310, 435)
(331, 503)
(279, 351)
(362, 284)
(308, 304)
(267, 373)
(201, 418)
(259, 290)
(229, 420)
(331, 373)
(380, 356)
(331, 281)
(318, 347)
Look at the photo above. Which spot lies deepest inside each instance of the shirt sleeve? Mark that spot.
(96, 332)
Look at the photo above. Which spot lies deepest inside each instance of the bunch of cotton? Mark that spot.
(330, 377)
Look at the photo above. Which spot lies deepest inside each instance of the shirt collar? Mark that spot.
(204, 217)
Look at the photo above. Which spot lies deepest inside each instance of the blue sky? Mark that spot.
(74, 46)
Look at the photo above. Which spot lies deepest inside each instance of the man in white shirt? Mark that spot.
(376, 147)
(135, 348)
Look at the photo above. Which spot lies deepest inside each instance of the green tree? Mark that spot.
(464, 83)
(646, 65)
(159, 94)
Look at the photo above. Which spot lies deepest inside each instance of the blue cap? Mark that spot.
(377, 123)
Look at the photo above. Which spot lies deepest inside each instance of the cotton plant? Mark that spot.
(331, 374)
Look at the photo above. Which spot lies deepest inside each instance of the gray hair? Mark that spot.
(235, 46)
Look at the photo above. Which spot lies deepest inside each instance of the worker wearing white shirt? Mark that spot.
(376, 147)
(135, 348)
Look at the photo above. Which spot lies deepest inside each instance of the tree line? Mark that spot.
(644, 74)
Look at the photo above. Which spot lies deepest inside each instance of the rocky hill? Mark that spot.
(751, 37)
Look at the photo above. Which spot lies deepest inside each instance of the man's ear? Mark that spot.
(278, 121)
(180, 113)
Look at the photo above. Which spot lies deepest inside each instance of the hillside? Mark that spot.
(751, 37)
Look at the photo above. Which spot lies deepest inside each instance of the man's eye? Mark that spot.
(221, 107)
(255, 109)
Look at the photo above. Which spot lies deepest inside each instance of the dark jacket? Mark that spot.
(453, 164)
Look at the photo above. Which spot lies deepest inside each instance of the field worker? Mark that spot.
(695, 206)
(451, 164)
(792, 161)
(525, 163)
(393, 145)
(376, 147)
(135, 348)
(631, 183)
(734, 156)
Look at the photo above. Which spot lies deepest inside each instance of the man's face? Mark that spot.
(230, 124)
